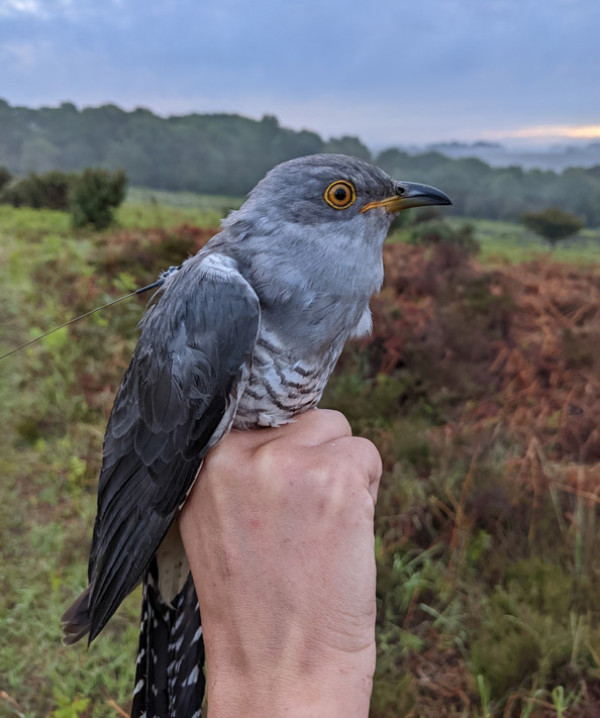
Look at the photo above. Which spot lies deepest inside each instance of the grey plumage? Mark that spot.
(245, 334)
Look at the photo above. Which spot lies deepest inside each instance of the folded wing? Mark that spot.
(176, 401)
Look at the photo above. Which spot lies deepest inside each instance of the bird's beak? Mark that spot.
(410, 194)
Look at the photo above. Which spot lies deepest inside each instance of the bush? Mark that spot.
(432, 233)
(5, 177)
(95, 195)
(91, 196)
(49, 190)
(553, 224)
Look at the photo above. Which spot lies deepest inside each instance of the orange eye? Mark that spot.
(340, 194)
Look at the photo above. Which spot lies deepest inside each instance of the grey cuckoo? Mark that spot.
(245, 334)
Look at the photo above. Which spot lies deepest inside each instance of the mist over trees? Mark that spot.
(228, 154)
(478, 190)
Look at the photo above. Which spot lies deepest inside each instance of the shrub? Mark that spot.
(553, 224)
(95, 195)
(49, 190)
(5, 177)
(432, 233)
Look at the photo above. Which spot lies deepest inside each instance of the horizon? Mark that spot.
(520, 143)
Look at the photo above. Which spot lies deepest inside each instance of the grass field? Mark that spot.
(489, 569)
(510, 242)
(159, 208)
(47, 503)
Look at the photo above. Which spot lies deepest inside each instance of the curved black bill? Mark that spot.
(413, 194)
(410, 194)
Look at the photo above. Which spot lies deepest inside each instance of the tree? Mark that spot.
(95, 195)
(5, 177)
(553, 224)
(347, 145)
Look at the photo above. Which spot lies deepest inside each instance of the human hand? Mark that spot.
(279, 533)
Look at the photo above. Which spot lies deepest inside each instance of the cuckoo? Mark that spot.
(244, 334)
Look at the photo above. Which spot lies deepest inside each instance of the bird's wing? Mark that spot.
(176, 401)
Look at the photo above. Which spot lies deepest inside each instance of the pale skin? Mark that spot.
(279, 533)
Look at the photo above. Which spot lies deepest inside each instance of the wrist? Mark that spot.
(338, 687)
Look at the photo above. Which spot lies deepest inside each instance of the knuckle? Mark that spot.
(337, 422)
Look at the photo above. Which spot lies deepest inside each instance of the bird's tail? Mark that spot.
(169, 680)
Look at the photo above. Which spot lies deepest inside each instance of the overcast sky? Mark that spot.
(391, 72)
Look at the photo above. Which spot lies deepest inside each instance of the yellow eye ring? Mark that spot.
(340, 194)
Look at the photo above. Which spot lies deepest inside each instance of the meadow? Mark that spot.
(481, 387)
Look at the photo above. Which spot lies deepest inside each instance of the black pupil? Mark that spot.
(341, 194)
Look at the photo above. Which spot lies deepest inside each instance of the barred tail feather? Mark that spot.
(169, 680)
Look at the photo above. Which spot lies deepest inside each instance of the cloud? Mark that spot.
(51, 9)
(428, 70)
(24, 54)
(28, 7)
(580, 132)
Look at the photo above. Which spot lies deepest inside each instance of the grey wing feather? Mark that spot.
(195, 344)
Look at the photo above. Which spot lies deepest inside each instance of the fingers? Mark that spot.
(319, 426)
(362, 455)
(371, 465)
(319, 440)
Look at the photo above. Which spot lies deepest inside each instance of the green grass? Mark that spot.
(44, 532)
(29, 221)
(159, 208)
(49, 448)
(510, 242)
(142, 209)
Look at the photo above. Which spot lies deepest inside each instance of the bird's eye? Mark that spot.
(340, 194)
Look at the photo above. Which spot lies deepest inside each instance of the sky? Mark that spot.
(393, 72)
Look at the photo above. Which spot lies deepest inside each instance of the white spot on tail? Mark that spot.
(193, 677)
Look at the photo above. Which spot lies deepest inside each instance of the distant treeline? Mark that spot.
(228, 154)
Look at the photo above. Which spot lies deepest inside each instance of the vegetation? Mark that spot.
(479, 385)
(49, 190)
(5, 177)
(478, 190)
(91, 196)
(94, 197)
(553, 224)
(228, 154)
(437, 232)
(216, 154)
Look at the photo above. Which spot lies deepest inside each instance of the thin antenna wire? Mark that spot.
(82, 316)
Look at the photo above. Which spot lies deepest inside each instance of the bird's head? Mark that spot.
(314, 227)
(329, 189)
